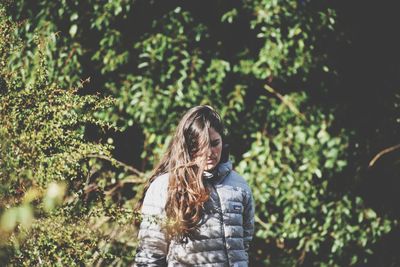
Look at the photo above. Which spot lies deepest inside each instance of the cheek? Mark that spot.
(218, 151)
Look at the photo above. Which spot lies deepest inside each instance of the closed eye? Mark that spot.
(215, 143)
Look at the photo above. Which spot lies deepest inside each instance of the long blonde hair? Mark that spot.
(184, 161)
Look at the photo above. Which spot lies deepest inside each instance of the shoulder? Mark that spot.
(160, 183)
(156, 194)
(236, 180)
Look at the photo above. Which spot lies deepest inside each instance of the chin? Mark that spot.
(210, 167)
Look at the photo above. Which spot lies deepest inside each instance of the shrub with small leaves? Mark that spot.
(44, 161)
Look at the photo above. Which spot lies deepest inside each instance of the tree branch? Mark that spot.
(383, 152)
(112, 160)
(263, 224)
(286, 102)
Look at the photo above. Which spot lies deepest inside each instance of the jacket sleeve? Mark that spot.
(153, 244)
(248, 220)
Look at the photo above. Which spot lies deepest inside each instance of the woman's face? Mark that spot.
(214, 153)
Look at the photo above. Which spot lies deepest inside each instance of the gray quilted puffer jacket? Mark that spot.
(225, 230)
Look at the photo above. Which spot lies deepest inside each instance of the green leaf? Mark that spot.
(73, 29)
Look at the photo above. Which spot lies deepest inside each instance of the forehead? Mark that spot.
(214, 135)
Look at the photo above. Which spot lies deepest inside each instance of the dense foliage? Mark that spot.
(45, 162)
(289, 166)
(78, 77)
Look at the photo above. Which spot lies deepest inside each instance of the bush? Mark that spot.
(46, 161)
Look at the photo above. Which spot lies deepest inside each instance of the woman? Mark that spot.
(196, 210)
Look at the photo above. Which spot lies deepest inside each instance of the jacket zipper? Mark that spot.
(222, 223)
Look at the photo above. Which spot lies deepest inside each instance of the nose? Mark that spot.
(210, 152)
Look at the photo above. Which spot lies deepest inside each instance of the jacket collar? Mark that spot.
(219, 173)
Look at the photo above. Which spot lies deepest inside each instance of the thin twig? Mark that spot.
(135, 171)
(383, 152)
(263, 224)
(286, 102)
(89, 174)
(121, 184)
(70, 56)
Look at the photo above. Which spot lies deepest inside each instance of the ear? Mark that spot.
(225, 153)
